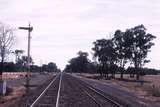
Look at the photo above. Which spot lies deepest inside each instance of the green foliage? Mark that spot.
(144, 71)
(121, 50)
(80, 64)
(21, 63)
(50, 67)
(132, 45)
(14, 67)
(9, 67)
(18, 54)
(105, 51)
(138, 44)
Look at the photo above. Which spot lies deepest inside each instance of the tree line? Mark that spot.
(111, 55)
(20, 65)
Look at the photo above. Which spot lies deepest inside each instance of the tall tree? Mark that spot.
(6, 42)
(120, 49)
(137, 44)
(52, 67)
(83, 60)
(105, 52)
(79, 63)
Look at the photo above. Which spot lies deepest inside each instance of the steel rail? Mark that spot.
(59, 89)
(85, 92)
(35, 102)
(93, 98)
(99, 92)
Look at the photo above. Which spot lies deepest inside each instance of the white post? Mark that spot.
(28, 59)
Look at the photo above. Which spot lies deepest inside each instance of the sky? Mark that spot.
(61, 28)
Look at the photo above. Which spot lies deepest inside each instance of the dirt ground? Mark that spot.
(13, 94)
(141, 90)
(16, 88)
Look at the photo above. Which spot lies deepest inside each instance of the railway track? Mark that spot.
(77, 93)
(48, 98)
(97, 96)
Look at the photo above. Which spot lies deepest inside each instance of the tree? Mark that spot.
(18, 54)
(105, 52)
(6, 42)
(9, 67)
(79, 63)
(23, 62)
(50, 67)
(82, 61)
(18, 59)
(120, 49)
(137, 45)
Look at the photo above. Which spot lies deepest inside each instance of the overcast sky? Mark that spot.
(63, 27)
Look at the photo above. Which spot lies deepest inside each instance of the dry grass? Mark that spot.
(12, 94)
(149, 90)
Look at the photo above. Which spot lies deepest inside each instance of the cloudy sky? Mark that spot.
(63, 27)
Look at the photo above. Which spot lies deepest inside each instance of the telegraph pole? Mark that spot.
(29, 28)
